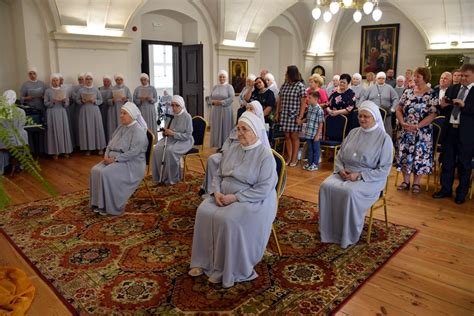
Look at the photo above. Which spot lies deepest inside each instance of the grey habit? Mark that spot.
(221, 115)
(73, 115)
(213, 160)
(147, 108)
(343, 204)
(385, 97)
(111, 185)
(229, 241)
(36, 90)
(58, 134)
(104, 107)
(177, 145)
(113, 113)
(358, 91)
(90, 128)
(17, 123)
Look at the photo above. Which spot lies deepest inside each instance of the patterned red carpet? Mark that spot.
(137, 263)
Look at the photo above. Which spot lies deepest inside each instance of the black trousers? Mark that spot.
(456, 154)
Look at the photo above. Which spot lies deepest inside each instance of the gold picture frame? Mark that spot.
(379, 48)
(238, 72)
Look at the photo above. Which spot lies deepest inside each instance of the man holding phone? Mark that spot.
(457, 138)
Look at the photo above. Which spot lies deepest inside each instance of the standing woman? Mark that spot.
(315, 84)
(265, 96)
(114, 180)
(32, 92)
(272, 86)
(120, 95)
(342, 102)
(385, 96)
(221, 99)
(415, 112)
(246, 91)
(179, 140)
(106, 92)
(91, 130)
(145, 97)
(73, 110)
(58, 137)
(290, 110)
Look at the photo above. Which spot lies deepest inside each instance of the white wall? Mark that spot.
(269, 56)
(159, 27)
(8, 73)
(411, 47)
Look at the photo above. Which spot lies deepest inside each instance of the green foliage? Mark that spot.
(18, 148)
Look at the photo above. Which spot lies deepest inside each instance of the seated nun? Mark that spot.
(177, 140)
(213, 161)
(234, 223)
(12, 119)
(114, 180)
(362, 166)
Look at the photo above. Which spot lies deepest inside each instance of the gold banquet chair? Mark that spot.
(281, 172)
(383, 199)
(199, 135)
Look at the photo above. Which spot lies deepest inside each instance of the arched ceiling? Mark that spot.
(443, 23)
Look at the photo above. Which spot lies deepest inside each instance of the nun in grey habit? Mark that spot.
(119, 96)
(145, 97)
(114, 180)
(213, 161)
(90, 128)
(106, 92)
(179, 140)
(362, 166)
(58, 137)
(233, 224)
(14, 121)
(383, 95)
(221, 99)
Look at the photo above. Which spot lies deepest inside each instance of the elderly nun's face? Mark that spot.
(222, 78)
(380, 80)
(32, 75)
(144, 81)
(106, 82)
(176, 107)
(355, 81)
(89, 80)
(249, 107)
(55, 82)
(366, 120)
(125, 118)
(245, 134)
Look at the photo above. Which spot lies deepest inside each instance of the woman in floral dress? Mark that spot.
(415, 112)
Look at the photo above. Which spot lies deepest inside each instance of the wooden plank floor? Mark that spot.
(432, 275)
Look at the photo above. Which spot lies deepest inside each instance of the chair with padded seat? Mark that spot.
(199, 135)
(334, 134)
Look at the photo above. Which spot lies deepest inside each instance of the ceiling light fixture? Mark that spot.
(331, 7)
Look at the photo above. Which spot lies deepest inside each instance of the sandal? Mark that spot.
(194, 272)
(416, 188)
(403, 186)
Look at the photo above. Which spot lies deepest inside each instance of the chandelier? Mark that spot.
(328, 8)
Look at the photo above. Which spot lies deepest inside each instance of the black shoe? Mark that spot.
(441, 195)
(201, 192)
(459, 200)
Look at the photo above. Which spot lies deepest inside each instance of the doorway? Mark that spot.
(176, 68)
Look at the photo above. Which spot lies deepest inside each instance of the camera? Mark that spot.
(448, 100)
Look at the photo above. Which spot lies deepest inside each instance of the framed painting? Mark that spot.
(238, 71)
(379, 48)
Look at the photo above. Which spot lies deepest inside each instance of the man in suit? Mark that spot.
(457, 137)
